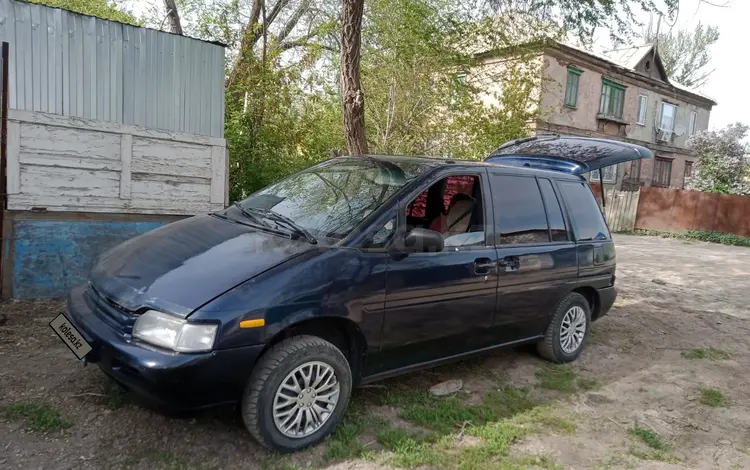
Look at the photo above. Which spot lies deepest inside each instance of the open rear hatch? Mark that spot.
(570, 154)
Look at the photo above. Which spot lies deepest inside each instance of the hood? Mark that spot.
(572, 154)
(181, 266)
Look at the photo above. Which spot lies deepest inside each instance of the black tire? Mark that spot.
(272, 368)
(551, 348)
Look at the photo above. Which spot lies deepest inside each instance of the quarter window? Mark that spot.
(588, 220)
(613, 98)
(519, 212)
(555, 218)
(571, 87)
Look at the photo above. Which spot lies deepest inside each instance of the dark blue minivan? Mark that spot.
(354, 270)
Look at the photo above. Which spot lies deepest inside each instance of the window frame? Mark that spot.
(573, 72)
(561, 205)
(553, 180)
(640, 119)
(568, 212)
(663, 161)
(685, 174)
(661, 116)
(637, 164)
(609, 90)
(693, 123)
(598, 172)
(409, 197)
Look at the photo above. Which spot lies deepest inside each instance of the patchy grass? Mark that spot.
(706, 353)
(713, 397)
(649, 437)
(37, 416)
(557, 377)
(704, 236)
(163, 459)
(115, 397)
(588, 384)
(344, 443)
(448, 414)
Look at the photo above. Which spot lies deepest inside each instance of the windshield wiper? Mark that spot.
(275, 216)
(249, 214)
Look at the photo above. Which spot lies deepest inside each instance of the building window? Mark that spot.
(668, 115)
(662, 172)
(635, 170)
(571, 87)
(610, 174)
(693, 120)
(688, 172)
(642, 106)
(613, 98)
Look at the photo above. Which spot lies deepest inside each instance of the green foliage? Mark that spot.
(713, 397)
(99, 8)
(558, 377)
(37, 416)
(685, 53)
(706, 353)
(649, 437)
(698, 235)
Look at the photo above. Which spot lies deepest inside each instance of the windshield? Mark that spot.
(331, 199)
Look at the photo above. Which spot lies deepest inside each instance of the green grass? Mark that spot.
(344, 443)
(115, 397)
(699, 235)
(588, 384)
(649, 437)
(706, 353)
(558, 377)
(37, 416)
(713, 397)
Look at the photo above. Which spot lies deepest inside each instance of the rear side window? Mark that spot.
(588, 221)
(554, 211)
(519, 211)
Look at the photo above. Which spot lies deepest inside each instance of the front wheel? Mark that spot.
(568, 331)
(297, 393)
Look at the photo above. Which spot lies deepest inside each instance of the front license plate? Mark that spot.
(70, 336)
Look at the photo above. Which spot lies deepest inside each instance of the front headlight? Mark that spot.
(177, 334)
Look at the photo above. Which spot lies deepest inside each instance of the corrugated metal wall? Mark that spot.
(75, 65)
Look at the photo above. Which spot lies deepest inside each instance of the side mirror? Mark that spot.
(421, 240)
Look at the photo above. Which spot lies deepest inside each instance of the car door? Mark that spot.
(440, 304)
(536, 253)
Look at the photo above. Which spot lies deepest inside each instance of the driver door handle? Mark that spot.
(484, 265)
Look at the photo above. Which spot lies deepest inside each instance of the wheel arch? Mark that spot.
(592, 296)
(337, 330)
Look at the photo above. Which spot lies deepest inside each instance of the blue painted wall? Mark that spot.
(52, 256)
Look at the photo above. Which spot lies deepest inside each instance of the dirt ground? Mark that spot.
(650, 393)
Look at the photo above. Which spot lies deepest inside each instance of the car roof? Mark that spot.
(461, 163)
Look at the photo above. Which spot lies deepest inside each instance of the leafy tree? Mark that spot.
(99, 8)
(722, 165)
(685, 54)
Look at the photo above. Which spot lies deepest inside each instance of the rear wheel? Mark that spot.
(569, 330)
(297, 393)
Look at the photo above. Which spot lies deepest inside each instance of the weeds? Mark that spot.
(706, 353)
(649, 437)
(37, 416)
(713, 397)
(699, 235)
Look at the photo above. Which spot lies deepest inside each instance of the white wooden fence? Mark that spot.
(63, 163)
(620, 209)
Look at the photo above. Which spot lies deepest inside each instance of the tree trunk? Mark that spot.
(352, 97)
(174, 17)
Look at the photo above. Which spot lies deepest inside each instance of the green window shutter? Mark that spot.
(571, 88)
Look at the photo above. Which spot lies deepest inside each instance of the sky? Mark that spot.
(729, 56)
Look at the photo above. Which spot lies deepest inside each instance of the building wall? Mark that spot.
(80, 66)
(582, 120)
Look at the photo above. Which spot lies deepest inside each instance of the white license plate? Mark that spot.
(70, 336)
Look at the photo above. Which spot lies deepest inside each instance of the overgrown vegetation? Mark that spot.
(36, 416)
(713, 397)
(696, 235)
(706, 353)
(721, 166)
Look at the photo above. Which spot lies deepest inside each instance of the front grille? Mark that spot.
(117, 317)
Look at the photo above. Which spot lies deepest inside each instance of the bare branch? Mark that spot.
(291, 23)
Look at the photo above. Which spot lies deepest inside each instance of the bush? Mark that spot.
(700, 235)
